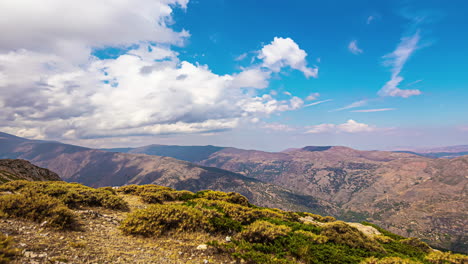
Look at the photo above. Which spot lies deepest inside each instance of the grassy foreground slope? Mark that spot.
(58, 222)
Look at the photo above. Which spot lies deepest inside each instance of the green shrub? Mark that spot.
(318, 218)
(438, 257)
(230, 197)
(312, 237)
(416, 243)
(159, 219)
(37, 207)
(155, 194)
(73, 195)
(7, 249)
(244, 215)
(342, 233)
(263, 232)
(388, 260)
(137, 189)
(383, 239)
(165, 196)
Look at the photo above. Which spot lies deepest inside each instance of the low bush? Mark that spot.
(263, 232)
(165, 196)
(244, 215)
(318, 218)
(137, 189)
(230, 197)
(73, 195)
(416, 243)
(388, 260)
(342, 233)
(39, 208)
(438, 257)
(159, 219)
(155, 194)
(7, 249)
(312, 237)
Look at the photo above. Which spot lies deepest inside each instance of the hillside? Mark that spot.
(187, 153)
(100, 168)
(409, 194)
(23, 170)
(155, 224)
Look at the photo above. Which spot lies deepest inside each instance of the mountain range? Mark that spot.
(406, 193)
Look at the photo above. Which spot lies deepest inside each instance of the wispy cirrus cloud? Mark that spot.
(353, 47)
(396, 60)
(352, 105)
(318, 102)
(373, 110)
(370, 19)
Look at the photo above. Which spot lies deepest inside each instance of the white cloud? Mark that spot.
(322, 128)
(353, 105)
(71, 29)
(278, 127)
(47, 93)
(353, 47)
(287, 93)
(350, 126)
(396, 60)
(370, 19)
(241, 57)
(284, 52)
(373, 110)
(312, 96)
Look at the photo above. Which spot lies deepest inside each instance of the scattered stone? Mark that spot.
(228, 239)
(367, 230)
(202, 247)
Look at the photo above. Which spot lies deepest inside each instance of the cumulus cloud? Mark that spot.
(350, 126)
(52, 87)
(396, 60)
(71, 29)
(284, 52)
(353, 47)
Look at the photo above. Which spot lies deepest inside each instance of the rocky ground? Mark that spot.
(100, 241)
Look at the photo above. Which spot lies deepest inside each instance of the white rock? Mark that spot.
(202, 247)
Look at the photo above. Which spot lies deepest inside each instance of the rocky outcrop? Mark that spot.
(16, 169)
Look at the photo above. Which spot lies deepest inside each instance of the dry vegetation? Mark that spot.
(57, 222)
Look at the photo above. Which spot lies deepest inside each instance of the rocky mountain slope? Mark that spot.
(11, 169)
(100, 168)
(408, 194)
(405, 192)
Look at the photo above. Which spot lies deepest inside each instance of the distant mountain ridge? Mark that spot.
(406, 193)
(98, 168)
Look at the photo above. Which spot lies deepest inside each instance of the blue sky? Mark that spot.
(236, 73)
(223, 30)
